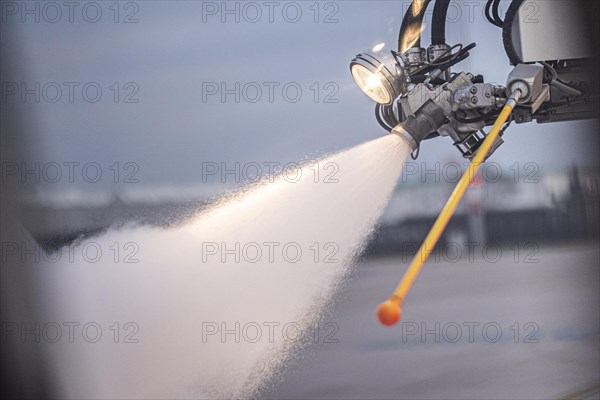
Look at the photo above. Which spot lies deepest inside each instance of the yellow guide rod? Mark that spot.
(440, 224)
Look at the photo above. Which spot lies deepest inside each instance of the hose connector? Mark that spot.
(514, 98)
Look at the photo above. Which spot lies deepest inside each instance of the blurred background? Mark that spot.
(147, 111)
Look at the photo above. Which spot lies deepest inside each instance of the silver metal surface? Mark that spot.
(479, 95)
(437, 50)
(551, 30)
(442, 95)
(544, 96)
(414, 57)
(528, 79)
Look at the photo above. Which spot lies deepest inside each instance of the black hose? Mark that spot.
(488, 14)
(386, 117)
(446, 61)
(380, 120)
(438, 27)
(507, 38)
(455, 61)
(496, 13)
(411, 24)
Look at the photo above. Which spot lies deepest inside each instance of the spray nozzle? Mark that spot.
(417, 127)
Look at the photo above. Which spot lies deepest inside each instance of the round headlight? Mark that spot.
(378, 75)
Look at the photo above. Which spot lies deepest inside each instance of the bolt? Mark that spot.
(487, 94)
(474, 100)
(460, 97)
(473, 89)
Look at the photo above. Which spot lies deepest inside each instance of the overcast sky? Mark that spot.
(179, 51)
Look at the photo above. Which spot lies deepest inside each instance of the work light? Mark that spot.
(379, 75)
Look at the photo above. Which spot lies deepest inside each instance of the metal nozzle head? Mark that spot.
(417, 127)
(407, 137)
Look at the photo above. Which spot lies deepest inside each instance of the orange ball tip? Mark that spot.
(389, 313)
